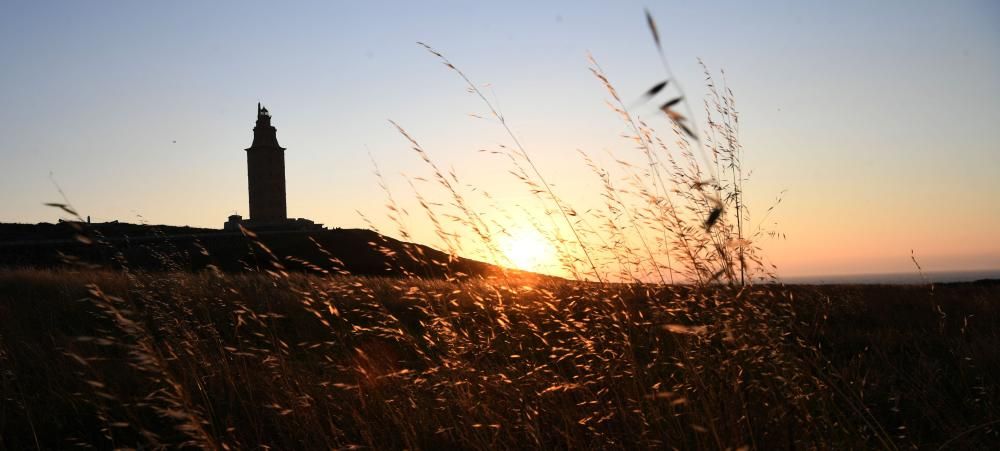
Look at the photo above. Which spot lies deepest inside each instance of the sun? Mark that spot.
(527, 249)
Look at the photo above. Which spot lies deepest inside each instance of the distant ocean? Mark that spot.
(905, 278)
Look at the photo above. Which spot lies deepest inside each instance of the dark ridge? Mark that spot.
(159, 248)
(984, 282)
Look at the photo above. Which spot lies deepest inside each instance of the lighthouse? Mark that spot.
(266, 182)
(266, 172)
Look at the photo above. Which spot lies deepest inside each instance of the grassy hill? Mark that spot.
(130, 359)
(171, 248)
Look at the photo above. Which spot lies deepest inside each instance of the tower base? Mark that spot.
(282, 224)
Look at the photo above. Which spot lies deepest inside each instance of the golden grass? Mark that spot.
(112, 359)
(275, 359)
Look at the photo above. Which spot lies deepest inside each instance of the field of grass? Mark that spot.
(268, 360)
(673, 334)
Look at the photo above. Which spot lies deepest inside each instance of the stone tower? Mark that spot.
(266, 172)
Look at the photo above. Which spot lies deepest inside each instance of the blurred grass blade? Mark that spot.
(666, 106)
(62, 207)
(713, 217)
(656, 89)
(652, 28)
(687, 130)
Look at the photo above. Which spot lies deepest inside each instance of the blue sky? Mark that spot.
(878, 118)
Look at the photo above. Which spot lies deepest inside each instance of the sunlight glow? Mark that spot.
(527, 249)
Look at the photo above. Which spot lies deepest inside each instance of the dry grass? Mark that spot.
(671, 212)
(275, 359)
(111, 359)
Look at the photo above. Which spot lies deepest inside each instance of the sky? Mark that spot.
(878, 121)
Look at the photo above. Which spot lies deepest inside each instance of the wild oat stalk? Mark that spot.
(522, 152)
(690, 129)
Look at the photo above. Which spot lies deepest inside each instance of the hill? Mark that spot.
(159, 247)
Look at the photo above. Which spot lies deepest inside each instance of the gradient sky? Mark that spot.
(880, 119)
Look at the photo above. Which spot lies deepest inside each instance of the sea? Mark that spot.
(903, 278)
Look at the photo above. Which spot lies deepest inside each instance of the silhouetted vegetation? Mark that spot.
(126, 359)
(675, 333)
(166, 248)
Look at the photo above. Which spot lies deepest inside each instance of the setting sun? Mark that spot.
(527, 249)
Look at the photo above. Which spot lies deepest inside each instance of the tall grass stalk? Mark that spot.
(522, 153)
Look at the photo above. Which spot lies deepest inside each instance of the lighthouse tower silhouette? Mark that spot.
(266, 172)
(266, 182)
